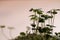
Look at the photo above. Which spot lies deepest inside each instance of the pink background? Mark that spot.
(15, 13)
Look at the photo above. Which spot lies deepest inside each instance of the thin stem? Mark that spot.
(53, 19)
(37, 26)
(44, 24)
(10, 33)
(4, 34)
(34, 21)
(53, 22)
(48, 21)
(37, 23)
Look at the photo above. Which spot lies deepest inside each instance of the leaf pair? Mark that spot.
(52, 11)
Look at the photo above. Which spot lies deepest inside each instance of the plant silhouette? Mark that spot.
(42, 30)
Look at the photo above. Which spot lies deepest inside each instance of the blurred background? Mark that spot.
(15, 13)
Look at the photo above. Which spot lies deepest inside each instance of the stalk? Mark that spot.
(44, 24)
(48, 21)
(3, 33)
(53, 19)
(10, 33)
(34, 20)
(37, 24)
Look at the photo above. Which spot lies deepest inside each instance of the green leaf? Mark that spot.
(45, 16)
(33, 25)
(39, 11)
(22, 33)
(49, 11)
(50, 16)
(33, 16)
(41, 20)
(54, 12)
(31, 9)
(50, 25)
(35, 10)
(40, 30)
